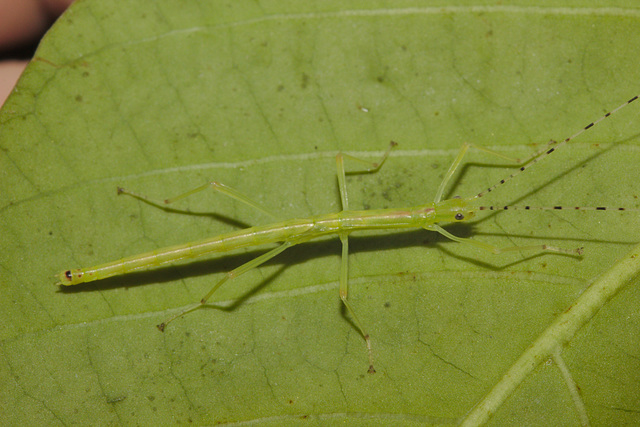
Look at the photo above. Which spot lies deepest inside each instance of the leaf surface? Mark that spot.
(160, 97)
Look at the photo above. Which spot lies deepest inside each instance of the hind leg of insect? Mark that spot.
(344, 238)
(213, 185)
(228, 276)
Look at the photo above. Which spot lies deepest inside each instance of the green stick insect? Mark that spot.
(293, 232)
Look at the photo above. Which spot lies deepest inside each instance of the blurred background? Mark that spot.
(22, 25)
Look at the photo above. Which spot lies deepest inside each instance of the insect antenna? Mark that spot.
(552, 208)
(541, 155)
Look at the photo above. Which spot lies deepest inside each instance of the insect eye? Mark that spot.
(459, 217)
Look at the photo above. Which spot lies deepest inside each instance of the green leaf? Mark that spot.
(160, 97)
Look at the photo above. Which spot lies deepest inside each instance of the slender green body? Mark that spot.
(294, 231)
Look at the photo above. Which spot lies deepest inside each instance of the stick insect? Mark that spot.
(292, 232)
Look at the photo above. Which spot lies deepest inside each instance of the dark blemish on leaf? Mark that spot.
(116, 399)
